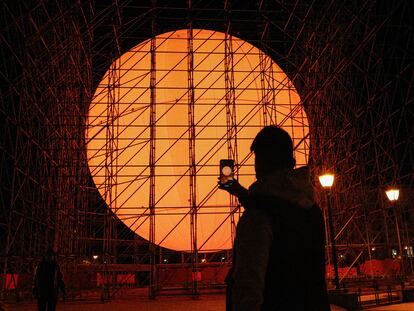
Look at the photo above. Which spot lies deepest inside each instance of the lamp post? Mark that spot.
(326, 181)
(393, 195)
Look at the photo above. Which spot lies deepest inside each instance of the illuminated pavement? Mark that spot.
(397, 307)
(177, 303)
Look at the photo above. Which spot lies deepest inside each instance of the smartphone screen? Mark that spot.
(226, 172)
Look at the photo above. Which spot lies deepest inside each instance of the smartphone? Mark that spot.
(226, 172)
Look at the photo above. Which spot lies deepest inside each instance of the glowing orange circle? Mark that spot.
(118, 133)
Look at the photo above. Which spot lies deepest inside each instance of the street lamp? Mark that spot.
(326, 181)
(393, 195)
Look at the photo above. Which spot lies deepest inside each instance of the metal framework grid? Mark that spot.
(350, 62)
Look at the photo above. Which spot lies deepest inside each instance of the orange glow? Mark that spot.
(118, 132)
(392, 194)
(326, 180)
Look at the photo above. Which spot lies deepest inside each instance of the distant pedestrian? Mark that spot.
(47, 281)
(279, 249)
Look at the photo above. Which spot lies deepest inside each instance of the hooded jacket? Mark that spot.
(279, 249)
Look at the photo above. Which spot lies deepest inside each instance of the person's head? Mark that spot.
(50, 255)
(273, 150)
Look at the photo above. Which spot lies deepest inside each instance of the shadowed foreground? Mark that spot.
(177, 303)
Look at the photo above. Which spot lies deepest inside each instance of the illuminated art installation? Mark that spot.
(234, 89)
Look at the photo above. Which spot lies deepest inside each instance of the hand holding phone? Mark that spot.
(226, 173)
(227, 181)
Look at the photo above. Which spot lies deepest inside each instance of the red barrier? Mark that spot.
(381, 267)
(215, 275)
(196, 276)
(125, 278)
(342, 272)
(176, 275)
(11, 280)
(103, 279)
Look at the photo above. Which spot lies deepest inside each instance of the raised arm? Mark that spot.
(238, 191)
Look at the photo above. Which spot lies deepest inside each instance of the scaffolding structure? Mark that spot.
(350, 63)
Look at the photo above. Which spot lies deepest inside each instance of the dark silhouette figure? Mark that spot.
(47, 281)
(279, 249)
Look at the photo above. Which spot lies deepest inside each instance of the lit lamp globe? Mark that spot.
(392, 194)
(326, 180)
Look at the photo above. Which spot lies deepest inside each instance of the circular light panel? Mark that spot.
(119, 137)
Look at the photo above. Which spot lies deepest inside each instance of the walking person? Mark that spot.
(47, 281)
(279, 248)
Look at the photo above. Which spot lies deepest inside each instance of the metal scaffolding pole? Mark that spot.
(152, 159)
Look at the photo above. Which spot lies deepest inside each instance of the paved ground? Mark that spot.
(181, 304)
(397, 307)
(177, 303)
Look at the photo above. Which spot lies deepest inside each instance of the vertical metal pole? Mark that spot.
(263, 62)
(332, 236)
(110, 171)
(366, 215)
(386, 231)
(231, 121)
(192, 155)
(153, 80)
(397, 228)
(325, 220)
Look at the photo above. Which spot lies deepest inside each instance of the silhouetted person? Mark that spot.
(279, 249)
(47, 281)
